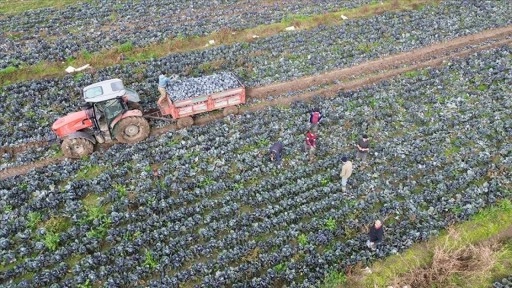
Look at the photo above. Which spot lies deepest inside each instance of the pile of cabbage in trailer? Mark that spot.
(186, 88)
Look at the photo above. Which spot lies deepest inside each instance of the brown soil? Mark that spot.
(345, 79)
(394, 61)
(505, 235)
(23, 169)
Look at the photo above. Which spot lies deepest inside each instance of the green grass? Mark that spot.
(280, 267)
(51, 240)
(89, 172)
(482, 226)
(482, 87)
(91, 200)
(330, 224)
(125, 47)
(87, 55)
(121, 190)
(302, 240)
(367, 47)
(11, 7)
(57, 224)
(334, 279)
(73, 260)
(8, 70)
(149, 260)
(86, 284)
(98, 214)
(412, 74)
(33, 219)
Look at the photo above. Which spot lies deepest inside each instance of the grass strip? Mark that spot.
(224, 36)
(480, 229)
(12, 7)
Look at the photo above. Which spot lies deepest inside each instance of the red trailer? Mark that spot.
(183, 110)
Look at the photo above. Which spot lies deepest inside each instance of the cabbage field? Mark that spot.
(219, 213)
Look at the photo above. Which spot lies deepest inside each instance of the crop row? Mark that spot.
(222, 214)
(48, 34)
(30, 107)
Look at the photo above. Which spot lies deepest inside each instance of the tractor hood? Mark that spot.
(71, 123)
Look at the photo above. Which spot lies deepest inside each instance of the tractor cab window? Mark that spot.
(132, 95)
(112, 109)
(98, 110)
(117, 86)
(93, 92)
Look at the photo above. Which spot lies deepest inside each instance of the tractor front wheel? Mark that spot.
(131, 130)
(185, 122)
(76, 147)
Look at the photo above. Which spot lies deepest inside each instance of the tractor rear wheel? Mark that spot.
(185, 122)
(131, 129)
(231, 110)
(76, 147)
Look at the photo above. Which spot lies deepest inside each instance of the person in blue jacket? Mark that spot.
(276, 151)
(163, 81)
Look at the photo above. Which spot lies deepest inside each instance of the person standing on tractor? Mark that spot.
(163, 81)
(314, 117)
(310, 143)
(276, 151)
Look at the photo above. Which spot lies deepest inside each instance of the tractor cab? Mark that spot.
(108, 100)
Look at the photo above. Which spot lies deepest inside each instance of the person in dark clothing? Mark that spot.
(276, 151)
(376, 235)
(314, 117)
(363, 148)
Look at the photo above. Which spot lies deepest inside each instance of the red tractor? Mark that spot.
(113, 112)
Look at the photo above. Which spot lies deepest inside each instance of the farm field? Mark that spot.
(221, 214)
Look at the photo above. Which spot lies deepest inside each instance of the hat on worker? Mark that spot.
(344, 159)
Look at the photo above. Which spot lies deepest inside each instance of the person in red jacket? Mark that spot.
(314, 117)
(310, 143)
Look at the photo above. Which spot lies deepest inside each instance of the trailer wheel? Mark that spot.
(76, 147)
(131, 130)
(232, 110)
(185, 122)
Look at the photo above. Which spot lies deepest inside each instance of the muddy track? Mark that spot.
(23, 147)
(25, 168)
(332, 82)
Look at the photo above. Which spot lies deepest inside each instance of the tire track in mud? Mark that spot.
(344, 79)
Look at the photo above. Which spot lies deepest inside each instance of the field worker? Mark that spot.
(363, 148)
(346, 171)
(276, 151)
(376, 235)
(310, 143)
(163, 81)
(314, 117)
